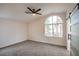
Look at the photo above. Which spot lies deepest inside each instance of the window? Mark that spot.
(54, 26)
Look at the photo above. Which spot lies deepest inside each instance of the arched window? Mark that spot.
(54, 26)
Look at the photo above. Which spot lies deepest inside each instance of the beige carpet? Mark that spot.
(31, 48)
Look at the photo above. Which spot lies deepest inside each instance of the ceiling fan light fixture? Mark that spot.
(33, 14)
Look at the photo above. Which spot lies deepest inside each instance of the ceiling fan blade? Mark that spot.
(37, 10)
(28, 12)
(38, 13)
(30, 9)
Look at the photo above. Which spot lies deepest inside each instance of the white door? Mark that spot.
(68, 34)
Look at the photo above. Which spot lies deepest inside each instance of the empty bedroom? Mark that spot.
(34, 29)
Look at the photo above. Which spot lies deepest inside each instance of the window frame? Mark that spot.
(53, 35)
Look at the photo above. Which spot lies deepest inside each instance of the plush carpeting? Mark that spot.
(31, 48)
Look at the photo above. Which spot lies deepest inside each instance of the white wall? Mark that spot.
(36, 31)
(12, 32)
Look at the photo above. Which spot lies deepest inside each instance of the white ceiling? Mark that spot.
(16, 11)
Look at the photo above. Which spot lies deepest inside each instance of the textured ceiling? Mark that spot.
(15, 11)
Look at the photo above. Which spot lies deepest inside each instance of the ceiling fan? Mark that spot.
(33, 11)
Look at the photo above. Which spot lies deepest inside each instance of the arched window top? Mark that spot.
(53, 20)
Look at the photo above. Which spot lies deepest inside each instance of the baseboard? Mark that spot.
(47, 43)
(12, 44)
(33, 41)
